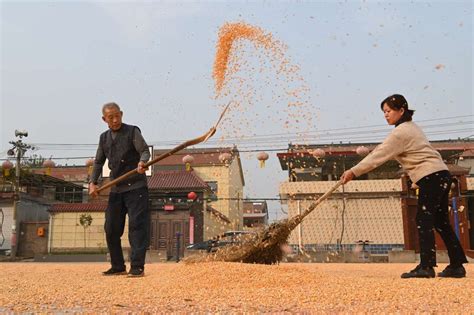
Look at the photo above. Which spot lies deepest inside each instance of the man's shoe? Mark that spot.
(114, 272)
(420, 272)
(453, 272)
(136, 272)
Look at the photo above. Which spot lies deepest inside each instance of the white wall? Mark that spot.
(6, 227)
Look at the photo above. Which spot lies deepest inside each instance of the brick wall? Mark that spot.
(372, 211)
(67, 235)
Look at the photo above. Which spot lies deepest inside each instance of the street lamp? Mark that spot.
(19, 149)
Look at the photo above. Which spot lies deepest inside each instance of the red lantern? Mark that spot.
(7, 166)
(262, 157)
(362, 150)
(48, 164)
(192, 195)
(318, 153)
(188, 159)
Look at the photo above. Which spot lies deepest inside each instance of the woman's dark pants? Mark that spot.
(433, 199)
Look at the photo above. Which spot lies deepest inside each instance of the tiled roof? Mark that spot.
(203, 157)
(299, 151)
(442, 145)
(79, 207)
(176, 180)
(38, 179)
(67, 173)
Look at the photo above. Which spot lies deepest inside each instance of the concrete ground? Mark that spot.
(230, 287)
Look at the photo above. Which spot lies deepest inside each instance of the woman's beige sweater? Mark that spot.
(409, 146)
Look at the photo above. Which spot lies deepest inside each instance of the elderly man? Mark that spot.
(124, 147)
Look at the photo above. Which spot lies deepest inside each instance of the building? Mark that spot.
(180, 213)
(255, 214)
(221, 169)
(179, 216)
(375, 209)
(78, 175)
(37, 193)
(217, 184)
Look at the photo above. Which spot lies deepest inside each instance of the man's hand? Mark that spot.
(347, 176)
(141, 169)
(93, 190)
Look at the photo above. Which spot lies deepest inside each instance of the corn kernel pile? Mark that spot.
(230, 288)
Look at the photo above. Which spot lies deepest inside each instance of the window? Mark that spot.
(213, 193)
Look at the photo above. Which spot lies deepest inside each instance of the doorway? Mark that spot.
(166, 229)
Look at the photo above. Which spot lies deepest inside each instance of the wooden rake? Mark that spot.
(266, 246)
(180, 147)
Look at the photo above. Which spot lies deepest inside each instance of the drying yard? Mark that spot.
(230, 287)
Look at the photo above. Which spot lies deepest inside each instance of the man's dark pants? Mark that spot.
(135, 204)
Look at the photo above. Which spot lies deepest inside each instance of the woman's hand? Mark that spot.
(347, 176)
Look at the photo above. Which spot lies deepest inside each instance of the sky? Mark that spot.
(62, 60)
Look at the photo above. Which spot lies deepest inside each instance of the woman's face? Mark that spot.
(392, 115)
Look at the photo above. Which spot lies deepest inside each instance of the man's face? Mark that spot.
(113, 118)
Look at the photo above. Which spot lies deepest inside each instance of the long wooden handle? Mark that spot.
(180, 147)
(320, 199)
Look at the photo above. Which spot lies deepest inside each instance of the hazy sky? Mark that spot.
(60, 61)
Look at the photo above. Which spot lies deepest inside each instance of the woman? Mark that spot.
(409, 146)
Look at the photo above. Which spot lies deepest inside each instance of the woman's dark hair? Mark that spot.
(397, 102)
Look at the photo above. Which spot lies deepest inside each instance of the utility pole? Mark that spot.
(18, 150)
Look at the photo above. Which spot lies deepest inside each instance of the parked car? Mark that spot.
(228, 238)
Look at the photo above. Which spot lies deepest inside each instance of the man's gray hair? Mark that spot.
(110, 105)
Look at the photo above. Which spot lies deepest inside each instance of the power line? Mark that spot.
(370, 135)
(278, 147)
(280, 135)
(281, 144)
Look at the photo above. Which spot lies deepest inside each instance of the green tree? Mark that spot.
(85, 220)
(33, 161)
